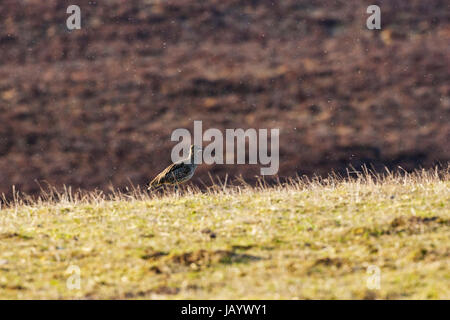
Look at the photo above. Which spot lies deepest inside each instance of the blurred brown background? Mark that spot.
(96, 106)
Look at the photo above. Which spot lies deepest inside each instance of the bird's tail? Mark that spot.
(154, 185)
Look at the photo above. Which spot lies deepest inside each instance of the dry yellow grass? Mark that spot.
(301, 239)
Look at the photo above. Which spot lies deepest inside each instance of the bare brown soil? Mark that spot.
(96, 106)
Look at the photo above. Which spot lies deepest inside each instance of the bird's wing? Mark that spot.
(170, 173)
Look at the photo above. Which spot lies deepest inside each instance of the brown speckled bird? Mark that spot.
(178, 172)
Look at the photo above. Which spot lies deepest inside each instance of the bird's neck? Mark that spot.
(192, 159)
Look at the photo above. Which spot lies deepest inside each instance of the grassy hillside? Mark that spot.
(304, 239)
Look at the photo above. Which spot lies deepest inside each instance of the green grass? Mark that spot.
(301, 240)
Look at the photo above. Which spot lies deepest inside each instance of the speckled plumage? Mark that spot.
(177, 172)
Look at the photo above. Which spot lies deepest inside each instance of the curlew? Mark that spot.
(178, 172)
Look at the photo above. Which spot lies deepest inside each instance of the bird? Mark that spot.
(178, 172)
